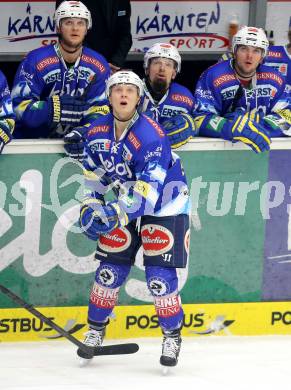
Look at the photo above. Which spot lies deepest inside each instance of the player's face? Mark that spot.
(161, 72)
(124, 98)
(247, 59)
(289, 36)
(73, 31)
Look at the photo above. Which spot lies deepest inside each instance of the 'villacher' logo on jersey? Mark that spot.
(156, 239)
(116, 241)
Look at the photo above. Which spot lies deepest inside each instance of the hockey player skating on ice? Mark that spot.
(130, 153)
(61, 86)
(242, 100)
(164, 100)
(7, 116)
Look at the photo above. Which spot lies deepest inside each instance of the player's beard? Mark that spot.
(160, 86)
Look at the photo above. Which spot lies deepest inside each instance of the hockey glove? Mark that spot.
(75, 143)
(67, 110)
(97, 218)
(252, 134)
(277, 126)
(95, 112)
(254, 115)
(180, 129)
(87, 217)
(5, 133)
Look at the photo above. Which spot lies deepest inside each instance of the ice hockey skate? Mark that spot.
(170, 349)
(93, 338)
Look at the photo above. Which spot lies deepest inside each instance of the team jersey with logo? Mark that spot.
(176, 100)
(146, 176)
(219, 92)
(44, 73)
(279, 58)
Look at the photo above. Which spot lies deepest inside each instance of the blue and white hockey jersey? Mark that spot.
(219, 93)
(44, 73)
(146, 176)
(176, 100)
(7, 116)
(279, 58)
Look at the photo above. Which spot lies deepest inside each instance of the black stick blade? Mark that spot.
(116, 349)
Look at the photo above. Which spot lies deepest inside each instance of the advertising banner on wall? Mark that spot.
(195, 26)
(26, 25)
(239, 242)
(277, 261)
(200, 320)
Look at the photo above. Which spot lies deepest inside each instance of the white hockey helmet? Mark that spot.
(124, 77)
(72, 9)
(164, 50)
(251, 36)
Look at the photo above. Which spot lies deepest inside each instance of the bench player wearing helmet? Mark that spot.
(241, 99)
(164, 100)
(59, 87)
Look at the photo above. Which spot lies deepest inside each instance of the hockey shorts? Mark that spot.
(165, 242)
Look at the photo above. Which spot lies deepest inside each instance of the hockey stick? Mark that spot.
(117, 349)
(89, 86)
(238, 95)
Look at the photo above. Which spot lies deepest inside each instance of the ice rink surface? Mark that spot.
(215, 362)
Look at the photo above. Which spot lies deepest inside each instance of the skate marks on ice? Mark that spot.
(214, 362)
